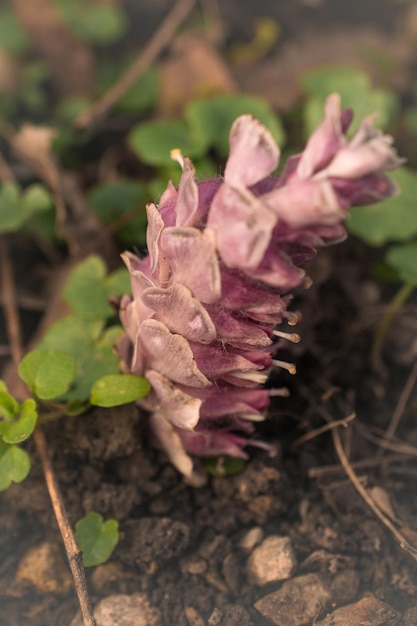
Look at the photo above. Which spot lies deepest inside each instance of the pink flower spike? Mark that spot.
(203, 323)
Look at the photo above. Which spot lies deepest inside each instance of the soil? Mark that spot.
(286, 541)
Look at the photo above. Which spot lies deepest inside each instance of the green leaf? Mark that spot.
(355, 90)
(48, 373)
(12, 214)
(404, 259)
(85, 291)
(9, 407)
(96, 23)
(96, 538)
(21, 428)
(69, 108)
(118, 389)
(14, 465)
(224, 466)
(211, 119)
(91, 348)
(141, 97)
(36, 199)
(33, 91)
(411, 120)
(153, 141)
(13, 38)
(394, 219)
(17, 208)
(118, 282)
(112, 201)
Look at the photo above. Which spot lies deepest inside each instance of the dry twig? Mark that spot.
(154, 47)
(402, 403)
(404, 544)
(323, 429)
(73, 551)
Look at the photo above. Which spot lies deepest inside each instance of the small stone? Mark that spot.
(44, 567)
(368, 610)
(231, 571)
(410, 617)
(193, 565)
(298, 601)
(230, 615)
(124, 610)
(251, 539)
(271, 561)
(193, 618)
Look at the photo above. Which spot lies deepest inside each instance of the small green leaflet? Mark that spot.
(394, 219)
(404, 260)
(117, 389)
(48, 373)
(14, 465)
(88, 288)
(96, 538)
(21, 424)
(16, 206)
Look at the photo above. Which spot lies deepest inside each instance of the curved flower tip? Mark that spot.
(254, 155)
(223, 257)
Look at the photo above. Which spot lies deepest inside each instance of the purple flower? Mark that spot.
(223, 256)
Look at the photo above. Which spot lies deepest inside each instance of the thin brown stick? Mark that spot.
(74, 554)
(318, 472)
(383, 443)
(404, 544)
(154, 47)
(323, 429)
(402, 403)
(9, 302)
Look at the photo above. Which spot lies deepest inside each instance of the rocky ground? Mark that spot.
(286, 541)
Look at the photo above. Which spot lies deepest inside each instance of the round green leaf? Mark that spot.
(211, 119)
(91, 348)
(404, 260)
(112, 201)
(355, 90)
(153, 141)
(117, 389)
(48, 373)
(36, 199)
(394, 219)
(141, 97)
(96, 538)
(21, 428)
(12, 214)
(85, 291)
(14, 465)
(93, 21)
(9, 407)
(13, 38)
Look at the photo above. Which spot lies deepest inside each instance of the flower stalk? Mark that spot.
(223, 257)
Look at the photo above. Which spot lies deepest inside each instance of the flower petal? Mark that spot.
(193, 259)
(179, 408)
(306, 202)
(253, 153)
(171, 442)
(243, 225)
(153, 233)
(180, 312)
(170, 354)
(326, 140)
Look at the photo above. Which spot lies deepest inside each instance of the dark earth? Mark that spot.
(288, 540)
